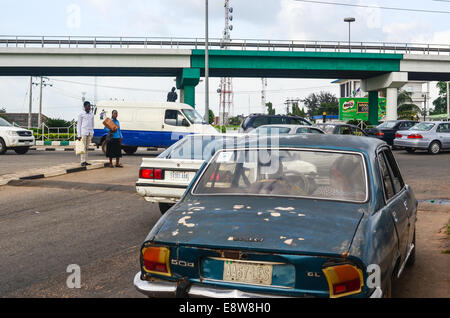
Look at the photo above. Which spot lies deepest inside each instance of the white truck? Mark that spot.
(14, 138)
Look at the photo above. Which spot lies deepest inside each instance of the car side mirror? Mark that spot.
(185, 123)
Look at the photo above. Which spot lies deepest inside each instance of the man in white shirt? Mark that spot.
(85, 130)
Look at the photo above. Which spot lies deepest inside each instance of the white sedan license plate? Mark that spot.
(179, 176)
(248, 273)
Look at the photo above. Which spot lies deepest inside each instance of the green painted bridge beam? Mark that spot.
(373, 108)
(187, 80)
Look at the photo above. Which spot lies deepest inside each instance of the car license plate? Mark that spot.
(248, 273)
(180, 176)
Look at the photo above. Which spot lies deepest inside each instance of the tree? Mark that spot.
(211, 117)
(270, 109)
(404, 97)
(3, 110)
(408, 111)
(57, 122)
(322, 102)
(440, 103)
(296, 111)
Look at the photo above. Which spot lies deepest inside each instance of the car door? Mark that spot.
(443, 132)
(174, 127)
(396, 199)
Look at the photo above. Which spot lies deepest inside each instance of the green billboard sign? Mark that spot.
(358, 108)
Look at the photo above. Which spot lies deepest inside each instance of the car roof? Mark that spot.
(284, 126)
(321, 141)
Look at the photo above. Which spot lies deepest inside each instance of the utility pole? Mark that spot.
(448, 101)
(31, 103)
(263, 95)
(42, 84)
(206, 117)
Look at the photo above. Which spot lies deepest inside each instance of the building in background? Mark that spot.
(21, 119)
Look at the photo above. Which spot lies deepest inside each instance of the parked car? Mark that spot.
(286, 129)
(149, 124)
(14, 138)
(431, 136)
(253, 121)
(250, 224)
(164, 179)
(386, 131)
(341, 129)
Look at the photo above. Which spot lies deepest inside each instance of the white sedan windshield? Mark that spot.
(297, 173)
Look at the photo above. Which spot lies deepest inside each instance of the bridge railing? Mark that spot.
(217, 43)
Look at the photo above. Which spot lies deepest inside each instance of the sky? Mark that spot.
(253, 19)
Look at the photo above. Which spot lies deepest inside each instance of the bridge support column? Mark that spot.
(391, 82)
(391, 103)
(186, 82)
(373, 108)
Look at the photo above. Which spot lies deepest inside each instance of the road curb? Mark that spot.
(54, 172)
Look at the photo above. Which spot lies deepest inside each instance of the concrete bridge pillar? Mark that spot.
(391, 82)
(187, 80)
(391, 103)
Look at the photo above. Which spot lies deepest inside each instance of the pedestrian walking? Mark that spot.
(114, 145)
(85, 131)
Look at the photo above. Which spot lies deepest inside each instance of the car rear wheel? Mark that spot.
(22, 150)
(104, 145)
(163, 207)
(130, 150)
(410, 150)
(434, 148)
(2, 147)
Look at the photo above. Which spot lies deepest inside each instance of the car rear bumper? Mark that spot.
(166, 289)
(411, 143)
(158, 194)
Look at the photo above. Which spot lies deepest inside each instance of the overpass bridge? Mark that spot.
(379, 65)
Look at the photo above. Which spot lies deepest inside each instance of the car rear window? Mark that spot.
(292, 173)
(197, 147)
(423, 127)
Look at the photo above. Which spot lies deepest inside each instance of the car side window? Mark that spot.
(395, 171)
(345, 130)
(356, 131)
(260, 121)
(386, 177)
(277, 121)
(444, 128)
(175, 118)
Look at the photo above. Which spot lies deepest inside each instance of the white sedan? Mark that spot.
(164, 179)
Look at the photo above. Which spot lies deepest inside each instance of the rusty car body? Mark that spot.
(224, 240)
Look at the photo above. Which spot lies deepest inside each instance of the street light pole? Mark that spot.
(206, 64)
(349, 20)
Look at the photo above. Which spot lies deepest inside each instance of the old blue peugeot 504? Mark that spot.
(299, 216)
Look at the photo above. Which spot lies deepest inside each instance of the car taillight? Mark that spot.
(156, 260)
(146, 173)
(213, 176)
(415, 136)
(149, 173)
(397, 135)
(379, 133)
(344, 280)
(158, 174)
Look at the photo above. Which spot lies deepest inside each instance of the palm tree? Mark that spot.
(406, 109)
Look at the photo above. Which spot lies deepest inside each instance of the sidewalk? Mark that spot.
(52, 171)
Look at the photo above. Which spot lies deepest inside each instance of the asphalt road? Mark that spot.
(96, 220)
